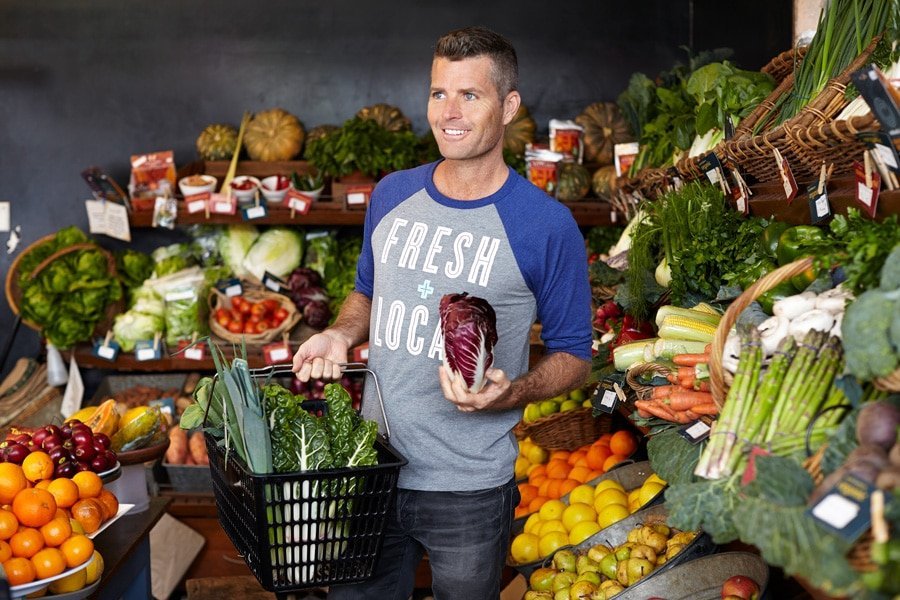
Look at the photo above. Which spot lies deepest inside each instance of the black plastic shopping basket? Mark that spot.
(311, 528)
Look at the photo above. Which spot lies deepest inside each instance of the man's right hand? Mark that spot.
(320, 357)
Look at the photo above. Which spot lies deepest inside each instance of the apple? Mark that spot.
(740, 586)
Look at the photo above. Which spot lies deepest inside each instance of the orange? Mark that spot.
(527, 492)
(596, 456)
(544, 488)
(9, 524)
(61, 513)
(89, 484)
(88, 513)
(12, 481)
(567, 485)
(537, 503)
(537, 470)
(56, 531)
(77, 549)
(579, 474)
(34, 507)
(594, 475)
(612, 461)
(5, 551)
(558, 468)
(554, 490)
(623, 443)
(26, 542)
(110, 502)
(43, 484)
(560, 455)
(19, 571)
(519, 512)
(603, 440)
(48, 562)
(575, 456)
(65, 491)
(37, 466)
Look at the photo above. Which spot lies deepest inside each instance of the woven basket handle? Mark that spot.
(111, 262)
(760, 287)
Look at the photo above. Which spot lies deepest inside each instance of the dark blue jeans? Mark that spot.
(466, 535)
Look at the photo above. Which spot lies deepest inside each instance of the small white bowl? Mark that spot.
(246, 195)
(271, 194)
(314, 194)
(191, 184)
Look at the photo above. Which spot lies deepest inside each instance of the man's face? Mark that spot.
(465, 111)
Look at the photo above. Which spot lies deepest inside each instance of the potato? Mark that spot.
(198, 448)
(178, 446)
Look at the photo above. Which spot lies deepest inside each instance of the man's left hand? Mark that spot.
(495, 394)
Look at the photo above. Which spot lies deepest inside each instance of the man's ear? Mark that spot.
(511, 106)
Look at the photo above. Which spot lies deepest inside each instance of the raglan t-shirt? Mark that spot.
(518, 249)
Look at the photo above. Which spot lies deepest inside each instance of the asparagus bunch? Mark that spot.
(774, 407)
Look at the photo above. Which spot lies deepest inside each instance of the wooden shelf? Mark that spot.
(768, 200)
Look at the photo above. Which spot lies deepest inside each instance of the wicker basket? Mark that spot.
(14, 292)
(834, 142)
(718, 385)
(565, 430)
(219, 300)
(634, 373)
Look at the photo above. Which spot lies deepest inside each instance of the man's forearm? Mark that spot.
(352, 323)
(554, 374)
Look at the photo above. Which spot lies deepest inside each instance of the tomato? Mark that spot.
(249, 327)
(280, 315)
(236, 316)
(258, 309)
(235, 327)
(224, 319)
(263, 326)
(271, 304)
(236, 301)
(245, 307)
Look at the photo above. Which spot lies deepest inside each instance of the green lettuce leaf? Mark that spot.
(707, 505)
(672, 457)
(781, 481)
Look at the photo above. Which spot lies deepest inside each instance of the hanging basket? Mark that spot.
(565, 430)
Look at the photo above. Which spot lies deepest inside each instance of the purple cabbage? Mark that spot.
(310, 298)
(469, 326)
(317, 314)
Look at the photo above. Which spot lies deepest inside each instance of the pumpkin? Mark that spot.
(572, 182)
(604, 127)
(274, 134)
(389, 117)
(217, 142)
(604, 181)
(519, 132)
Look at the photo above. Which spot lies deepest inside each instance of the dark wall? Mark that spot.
(90, 83)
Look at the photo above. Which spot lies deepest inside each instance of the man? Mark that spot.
(467, 223)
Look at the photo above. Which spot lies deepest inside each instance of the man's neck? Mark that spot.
(467, 180)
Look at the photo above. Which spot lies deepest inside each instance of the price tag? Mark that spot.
(695, 432)
(222, 204)
(298, 201)
(272, 282)
(867, 188)
(740, 192)
(276, 353)
(230, 287)
(258, 211)
(845, 508)
(107, 350)
(712, 166)
(787, 176)
(147, 350)
(192, 351)
(197, 202)
(358, 196)
(819, 207)
(605, 398)
(361, 353)
(108, 218)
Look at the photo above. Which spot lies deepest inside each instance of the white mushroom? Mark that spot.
(817, 320)
(836, 328)
(771, 332)
(834, 300)
(792, 307)
(731, 352)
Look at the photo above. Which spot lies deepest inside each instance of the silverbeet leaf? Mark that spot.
(704, 504)
(672, 457)
(780, 480)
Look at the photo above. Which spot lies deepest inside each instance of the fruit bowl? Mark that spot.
(142, 455)
(20, 591)
(275, 187)
(244, 188)
(197, 184)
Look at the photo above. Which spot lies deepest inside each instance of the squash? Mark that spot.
(519, 132)
(604, 127)
(573, 182)
(389, 117)
(217, 142)
(604, 181)
(274, 134)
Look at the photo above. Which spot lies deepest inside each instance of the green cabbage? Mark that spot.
(132, 326)
(278, 251)
(234, 243)
(146, 300)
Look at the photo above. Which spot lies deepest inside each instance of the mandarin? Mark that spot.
(34, 507)
(612, 461)
(89, 484)
(37, 466)
(26, 542)
(65, 491)
(5, 551)
(48, 562)
(77, 549)
(9, 524)
(56, 531)
(596, 456)
(19, 571)
(12, 481)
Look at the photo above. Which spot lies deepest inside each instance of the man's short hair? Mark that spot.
(471, 42)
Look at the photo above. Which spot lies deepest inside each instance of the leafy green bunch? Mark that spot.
(362, 145)
(70, 295)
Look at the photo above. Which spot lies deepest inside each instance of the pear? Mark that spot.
(597, 552)
(599, 595)
(673, 550)
(661, 528)
(637, 569)
(623, 552)
(622, 571)
(683, 538)
(655, 540)
(535, 595)
(644, 551)
(564, 560)
(563, 580)
(611, 587)
(584, 563)
(541, 579)
(608, 565)
(591, 576)
(634, 535)
(562, 594)
(582, 590)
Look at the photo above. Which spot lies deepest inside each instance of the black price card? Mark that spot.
(230, 287)
(845, 508)
(819, 207)
(711, 165)
(605, 398)
(695, 432)
(271, 282)
(147, 350)
(106, 349)
(257, 211)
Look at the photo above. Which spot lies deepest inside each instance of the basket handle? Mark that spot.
(349, 367)
(759, 287)
(74, 248)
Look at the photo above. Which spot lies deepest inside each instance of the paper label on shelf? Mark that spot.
(867, 192)
(222, 204)
(106, 351)
(147, 350)
(788, 183)
(605, 398)
(887, 156)
(108, 218)
(301, 205)
(197, 202)
(277, 353)
(230, 287)
(255, 212)
(844, 510)
(819, 207)
(197, 352)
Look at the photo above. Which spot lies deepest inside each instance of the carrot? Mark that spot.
(681, 416)
(663, 391)
(702, 386)
(672, 378)
(655, 408)
(686, 372)
(685, 399)
(690, 360)
(706, 409)
(707, 349)
(687, 382)
(643, 413)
